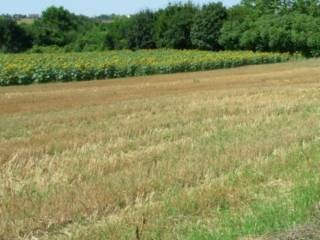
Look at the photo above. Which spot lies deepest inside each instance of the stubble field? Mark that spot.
(226, 154)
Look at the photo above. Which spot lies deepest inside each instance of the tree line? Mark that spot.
(258, 25)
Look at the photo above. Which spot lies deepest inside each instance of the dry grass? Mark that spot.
(183, 156)
(27, 21)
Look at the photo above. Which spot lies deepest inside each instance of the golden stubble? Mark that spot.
(104, 151)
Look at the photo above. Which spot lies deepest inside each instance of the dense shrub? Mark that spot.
(117, 33)
(13, 38)
(173, 26)
(206, 27)
(288, 33)
(141, 32)
(256, 25)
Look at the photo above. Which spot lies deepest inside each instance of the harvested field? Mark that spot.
(225, 154)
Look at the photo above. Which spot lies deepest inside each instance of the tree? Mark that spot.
(206, 27)
(173, 26)
(13, 38)
(268, 33)
(292, 32)
(310, 7)
(91, 40)
(239, 19)
(141, 33)
(56, 26)
(117, 33)
(266, 7)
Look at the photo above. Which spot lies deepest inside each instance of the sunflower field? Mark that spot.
(19, 69)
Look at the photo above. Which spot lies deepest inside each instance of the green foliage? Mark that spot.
(257, 25)
(239, 20)
(266, 7)
(117, 33)
(53, 67)
(45, 49)
(309, 7)
(207, 25)
(173, 26)
(13, 38)
(292, 32)
(93, 40)
(57, 26)
(141, 32)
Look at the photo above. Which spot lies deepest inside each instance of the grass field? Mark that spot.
(27, 21)
(225, 154)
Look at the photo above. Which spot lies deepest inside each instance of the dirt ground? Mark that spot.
(58, 96)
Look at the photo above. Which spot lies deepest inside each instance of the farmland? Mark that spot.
(18, 69)
(224, 154)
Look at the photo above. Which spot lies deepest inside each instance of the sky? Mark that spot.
(90, 7)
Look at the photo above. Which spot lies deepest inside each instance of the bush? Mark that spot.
(141, 32)
(206, 27)
(173, 26)
(13, 38)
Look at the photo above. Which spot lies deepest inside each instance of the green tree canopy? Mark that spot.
(206, 27)
(117, 33)
(173, 26)
(13, 38)
(56, 26)
(141, 33)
